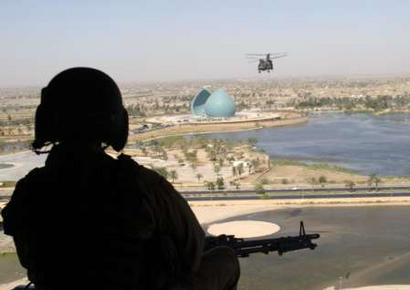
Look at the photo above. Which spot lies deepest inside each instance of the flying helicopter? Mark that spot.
(265, 63)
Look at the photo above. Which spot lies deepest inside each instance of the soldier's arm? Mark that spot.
(16, 217)
(177, 220)
(16, 211)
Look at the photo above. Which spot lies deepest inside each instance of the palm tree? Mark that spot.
(259, 188)
(220, 183)
(376, 182)
(210, 185)
(322, 180)
(239, 168)
(217, 169)
(312, 181)
(234, 171)
(256, 163)
(250, 168)
(199, 176)
(370, 180)
(212, 155)
(350, 184)
(173, 175)
(193, 165)
(374, 179)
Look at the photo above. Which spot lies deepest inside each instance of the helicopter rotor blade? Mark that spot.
(278, 53)
(272, 55)
(253, 57)
(255, 54)
(278, 56)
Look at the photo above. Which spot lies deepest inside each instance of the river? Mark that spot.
(362, 142)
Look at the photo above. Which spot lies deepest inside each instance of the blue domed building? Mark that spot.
(198, 102)
(218, 104)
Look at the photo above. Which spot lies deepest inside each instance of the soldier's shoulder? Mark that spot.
(25, 186)
(146, 174)
(35, 175)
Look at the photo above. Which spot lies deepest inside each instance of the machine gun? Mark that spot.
(244, 248)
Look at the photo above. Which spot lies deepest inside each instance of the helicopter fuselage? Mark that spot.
(265, 65)
(265, 60)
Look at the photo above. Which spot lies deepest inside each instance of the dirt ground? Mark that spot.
(300, 176)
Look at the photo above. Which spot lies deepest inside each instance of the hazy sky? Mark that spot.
(170, 40)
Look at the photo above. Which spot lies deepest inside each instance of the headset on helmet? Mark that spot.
(81, 105)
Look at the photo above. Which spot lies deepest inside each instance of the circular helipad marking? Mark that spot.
(244, 229)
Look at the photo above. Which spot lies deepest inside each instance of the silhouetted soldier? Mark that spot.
(90, 221)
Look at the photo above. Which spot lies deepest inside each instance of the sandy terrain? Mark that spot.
(10, 285)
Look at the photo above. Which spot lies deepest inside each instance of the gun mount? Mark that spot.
(244, 248)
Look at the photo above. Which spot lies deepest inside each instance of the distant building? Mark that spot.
(215, 105)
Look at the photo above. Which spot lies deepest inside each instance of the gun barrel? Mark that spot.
(313, 236)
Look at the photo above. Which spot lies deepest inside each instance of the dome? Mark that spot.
(219, 104)
(199, 101)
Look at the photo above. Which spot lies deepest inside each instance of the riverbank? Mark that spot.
(293, 119)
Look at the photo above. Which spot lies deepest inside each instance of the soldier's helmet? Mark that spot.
(81, 105)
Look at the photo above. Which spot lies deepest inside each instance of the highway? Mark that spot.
(251, 194)
(205, 197)
(298, 190)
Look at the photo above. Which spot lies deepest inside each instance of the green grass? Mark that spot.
(285, 162)
(326, 166)
(316, 166)
(394, 176)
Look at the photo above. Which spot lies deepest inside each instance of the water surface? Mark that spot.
(361, 142)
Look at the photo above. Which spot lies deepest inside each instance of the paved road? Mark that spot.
(299, 190)
(294, 196)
